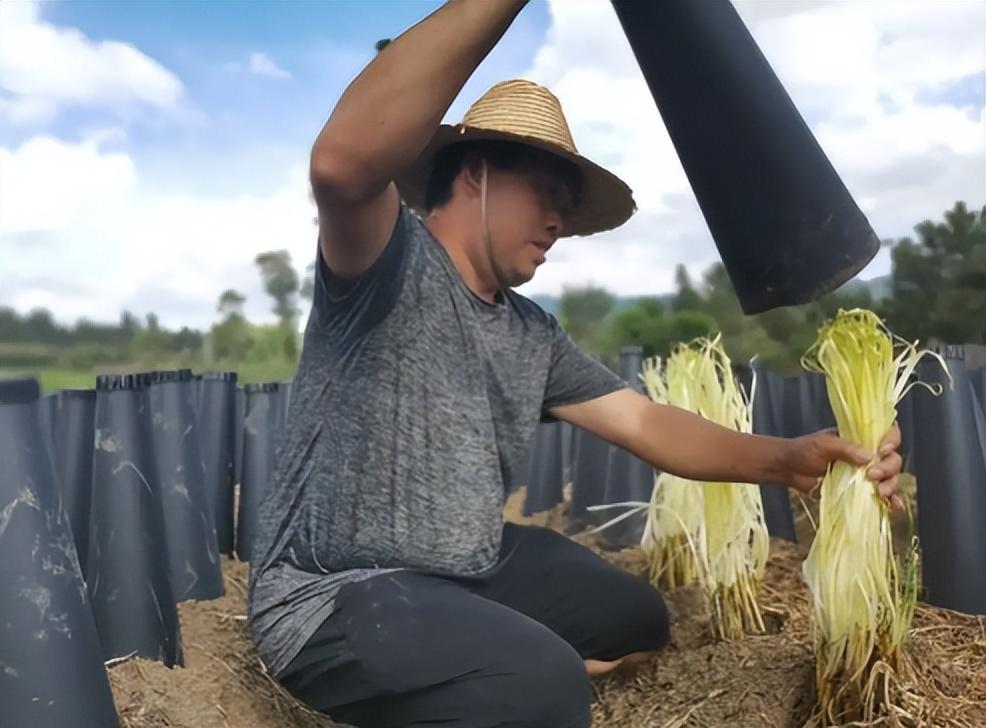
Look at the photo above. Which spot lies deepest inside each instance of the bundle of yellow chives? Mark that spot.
(715, 531)
(675, 525)
(861, 603)
(737, 543)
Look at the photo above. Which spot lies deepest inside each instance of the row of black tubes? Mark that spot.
(115, 504)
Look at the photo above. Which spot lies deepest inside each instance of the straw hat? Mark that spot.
(526, 113)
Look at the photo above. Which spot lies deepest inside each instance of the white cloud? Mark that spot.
(856, 70)
(44, 68)
(262, 65)
(259, 64)
(47, 184)
(89, 239)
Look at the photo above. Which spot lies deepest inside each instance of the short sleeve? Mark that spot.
(353, 306)
(574, 376)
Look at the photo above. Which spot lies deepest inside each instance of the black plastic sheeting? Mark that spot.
(217, 431)
(949, 458)
(51, 670)
(786, 228)
(628, 478)
(46, 407)
(264, 413)
(768, 419)
(193, 554)
(128, 577)
(978, 379)
(73, 438)
(547, 466)
(590, 459)
(239, 412)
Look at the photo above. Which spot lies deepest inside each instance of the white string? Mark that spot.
(483, 186)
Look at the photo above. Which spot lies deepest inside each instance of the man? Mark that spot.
(388, 591)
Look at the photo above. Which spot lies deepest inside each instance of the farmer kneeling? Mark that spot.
(386, 590)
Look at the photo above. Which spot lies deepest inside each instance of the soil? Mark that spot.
(757, 682)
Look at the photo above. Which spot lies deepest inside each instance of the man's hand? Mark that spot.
(807, 458)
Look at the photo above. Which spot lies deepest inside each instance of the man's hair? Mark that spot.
(502, 155)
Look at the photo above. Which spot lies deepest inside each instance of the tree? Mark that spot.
(230, 301)
(939, 280)
(186, 340)
(129, 325)
(307, 291)
(683, 326)
(581, 312)
(646, 325)
(281, 283)
(231, 338)
(686, 298)
(151, 342)
(40, 327)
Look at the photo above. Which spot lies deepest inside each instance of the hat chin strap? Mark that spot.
(487, 239)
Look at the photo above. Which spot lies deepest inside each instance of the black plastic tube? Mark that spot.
(217, 428)
(46, 419)
(74, 434)
(978, 377)
(193, 554)
(950, 465)
(786, 227)
(905, 420)
(51, 667)
(567, 452)
(588, 473)
(261, 427)
(768, 419)
(239, 412)
(284, 399)
(628, 479)
(129, 585)
(815, 412)
(631, 363)
(546, 471)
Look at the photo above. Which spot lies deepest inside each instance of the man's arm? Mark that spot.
(680, 442)
(384, 120)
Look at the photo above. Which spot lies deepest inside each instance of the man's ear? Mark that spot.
(470, 175)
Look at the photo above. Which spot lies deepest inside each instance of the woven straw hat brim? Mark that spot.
(607, 201)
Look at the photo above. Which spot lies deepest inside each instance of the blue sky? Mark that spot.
(150, 150)
(246, 125)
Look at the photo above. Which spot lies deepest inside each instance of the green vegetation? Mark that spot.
(937, 293)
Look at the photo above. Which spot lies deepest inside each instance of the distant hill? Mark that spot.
(878, 287)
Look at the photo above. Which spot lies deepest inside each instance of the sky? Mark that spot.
(150, 150)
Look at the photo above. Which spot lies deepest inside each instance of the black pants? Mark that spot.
(504, 649)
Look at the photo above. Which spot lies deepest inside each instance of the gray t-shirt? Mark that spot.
(412, 411)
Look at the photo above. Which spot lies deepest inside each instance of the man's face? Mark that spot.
(526, 212)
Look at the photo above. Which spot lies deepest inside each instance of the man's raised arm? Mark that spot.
(385, 119)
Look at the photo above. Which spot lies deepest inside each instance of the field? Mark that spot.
(758, 682)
